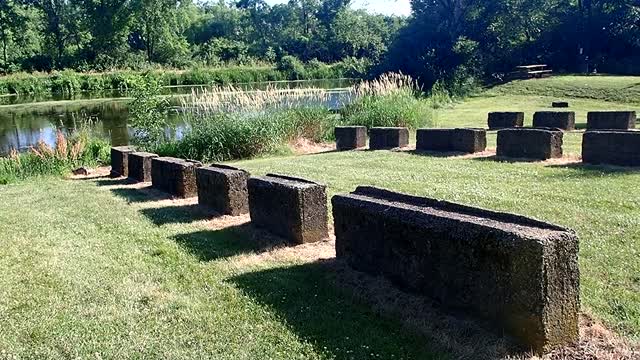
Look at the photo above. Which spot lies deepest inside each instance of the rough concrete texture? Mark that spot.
(457, 140)
(140, 166)
(388, 137)
(611, 147)
(565, 120)
(499, 120)
(120, 160)
(350, 137)
(293, 208)
(519, 273)
(560, 104)
(621, 120)
(223, 188)
(175, 176)
(531, 143)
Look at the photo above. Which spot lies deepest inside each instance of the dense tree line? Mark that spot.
(449, 40)
(458, 40)
(103, 34)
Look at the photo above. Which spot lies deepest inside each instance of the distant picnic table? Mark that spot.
(531, 71)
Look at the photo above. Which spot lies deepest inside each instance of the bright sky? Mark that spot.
(387, 7)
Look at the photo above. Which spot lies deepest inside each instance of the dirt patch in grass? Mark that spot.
(304, 146)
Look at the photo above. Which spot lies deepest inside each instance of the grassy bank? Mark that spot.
(71, 82)
(616, 89)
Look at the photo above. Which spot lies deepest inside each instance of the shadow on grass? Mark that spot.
(144, 194)
(591, 170)
(107, 181)
(178, 214)
(208, 245)
(436, 154)
(504, 159)
(334, 322)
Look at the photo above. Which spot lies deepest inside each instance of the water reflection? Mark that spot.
(22, 126)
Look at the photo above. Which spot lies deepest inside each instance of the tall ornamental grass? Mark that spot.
(227, 123)
(391, 100)
(69, 152)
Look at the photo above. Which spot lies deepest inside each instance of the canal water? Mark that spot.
(25, 120)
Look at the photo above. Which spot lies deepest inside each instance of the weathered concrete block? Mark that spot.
(532, 143)
(621, 120)
(611, 147)
(499, 120)
(223, 188)
(120, 160)
(458, 140)
(519, 273)
(140, 166)
(175, 176)
(350, 137)
(293, 208)
(565, 120)
(388, 137)
(560, 104)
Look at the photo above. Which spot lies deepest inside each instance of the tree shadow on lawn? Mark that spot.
(179, 214)
(209, 245)
(342, 318)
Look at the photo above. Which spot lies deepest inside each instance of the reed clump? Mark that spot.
(393, 99)
(77, 149)
(227, 123)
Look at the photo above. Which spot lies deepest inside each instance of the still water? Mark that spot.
(25, 120)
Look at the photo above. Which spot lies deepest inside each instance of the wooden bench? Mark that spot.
(530, 71)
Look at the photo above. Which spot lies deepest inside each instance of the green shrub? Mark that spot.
(292, 66)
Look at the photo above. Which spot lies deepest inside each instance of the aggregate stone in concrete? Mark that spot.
(500, 120)
(350, 137)
(451, 140)
(614, 147)
(519, 273)
(388, 137)
(175, 176)
(564, 120)
(531, 143)
(293, 208)
(223, 188)
(140, 166)
(620, 120)
(120, 160)
(560, 104)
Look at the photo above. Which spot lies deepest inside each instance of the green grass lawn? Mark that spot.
(96, 269)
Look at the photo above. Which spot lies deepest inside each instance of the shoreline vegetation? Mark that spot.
(71, 82)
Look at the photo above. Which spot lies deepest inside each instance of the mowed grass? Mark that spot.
(584, 94)
(602, 205)
(93, 271)
(85, 269)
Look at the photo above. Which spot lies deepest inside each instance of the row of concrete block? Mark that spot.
(615, 147)
(565, 120)
(519, 273)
